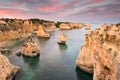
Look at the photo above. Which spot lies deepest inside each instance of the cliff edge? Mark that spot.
(7, 70)
(100, 54)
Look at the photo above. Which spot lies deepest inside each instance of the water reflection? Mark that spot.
(54, 59)
(43, 39)
(31, 61)
(63, 47)
(81, 75)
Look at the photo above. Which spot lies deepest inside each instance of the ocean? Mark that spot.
(56, 62)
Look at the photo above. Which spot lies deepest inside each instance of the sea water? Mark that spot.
(56, 62)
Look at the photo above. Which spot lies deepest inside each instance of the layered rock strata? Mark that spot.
(100, 53)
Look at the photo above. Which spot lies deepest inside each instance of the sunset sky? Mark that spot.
(95, 11)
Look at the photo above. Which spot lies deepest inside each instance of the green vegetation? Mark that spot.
(58, 23)
(12, 25)
(38, 21)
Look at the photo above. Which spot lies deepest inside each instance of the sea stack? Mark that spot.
(100, 53)
(62, 39)
(30, 48)
(7, 70)
(42, 32)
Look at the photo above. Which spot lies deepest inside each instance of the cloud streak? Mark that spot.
(63, 10)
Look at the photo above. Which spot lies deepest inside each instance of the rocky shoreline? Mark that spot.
(7, 70)
(100, 54)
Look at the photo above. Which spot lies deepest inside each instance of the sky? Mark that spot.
(89, 11)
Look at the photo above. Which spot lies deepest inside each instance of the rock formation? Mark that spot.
(64, 26)
(15, 29)
(2, 22)
(49, 26)
(31, 48)
(87, 26)
(100, 53)
(62, 39)
(42, 33)
(7, 70)
(27, 27)
(75, 25)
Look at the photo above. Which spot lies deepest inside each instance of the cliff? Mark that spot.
(7, 70)
(64, 26)
(75, 25)
(63, 38)
(42, 32)
(100, 53)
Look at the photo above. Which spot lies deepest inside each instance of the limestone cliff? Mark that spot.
(49, 26)
(100, 53)
(7, 70)
(42, 33)
(30, 48)
(75, 25)
(64, 26)
(63, 38)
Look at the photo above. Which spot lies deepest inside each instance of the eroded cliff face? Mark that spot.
(7, 70)
(100, 53)
(42, 33)
(64, 26)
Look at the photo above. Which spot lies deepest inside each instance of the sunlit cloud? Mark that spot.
(63, 10)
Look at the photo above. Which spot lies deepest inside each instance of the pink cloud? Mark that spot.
(54, 1)
(11, 13)
(56, 7)
(50, 9)
(95, 1)
(3, 11)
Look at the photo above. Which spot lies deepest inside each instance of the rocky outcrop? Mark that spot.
(49, 26)
(100, 53)
(13, 35)
(27, 27)
(62, 39)
(42, 33)
(64, 26)
(7, 70)
(75, 25)
(31, 49)
(88, 26)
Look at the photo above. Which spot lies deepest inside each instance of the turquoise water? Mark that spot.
(56, 62)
